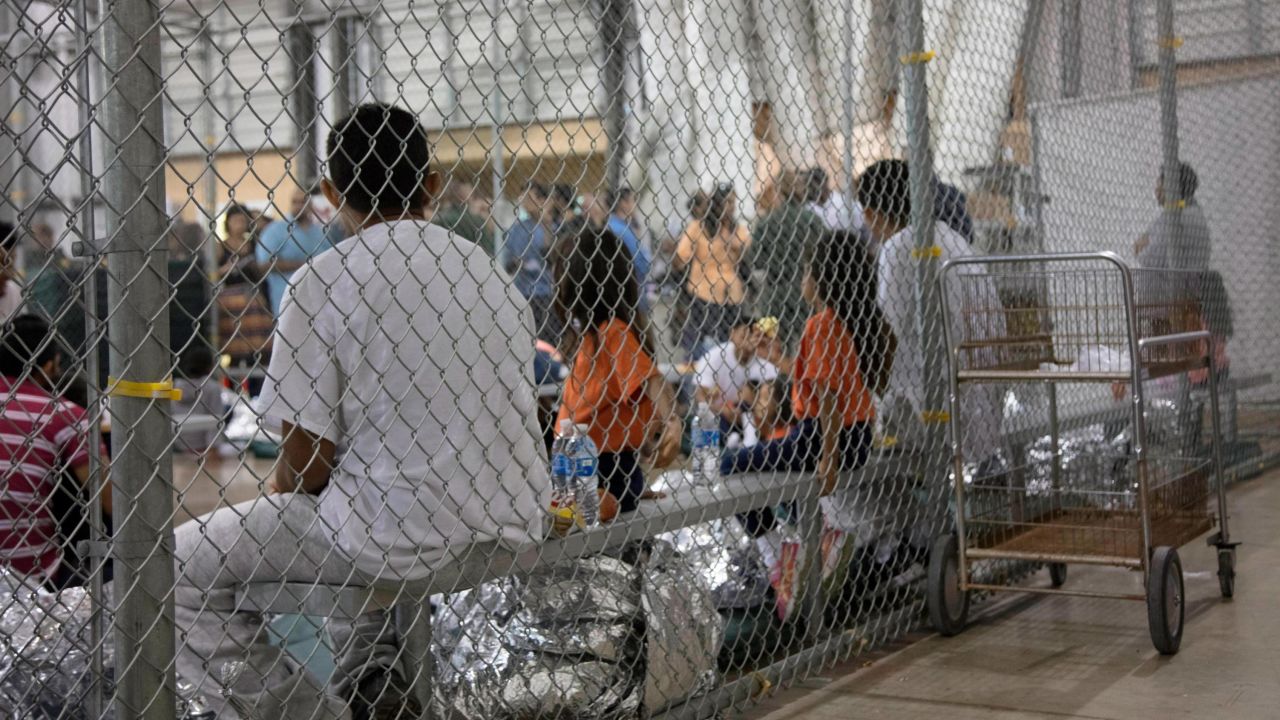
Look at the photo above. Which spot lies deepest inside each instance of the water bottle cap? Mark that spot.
(565, 426)
(583, 428)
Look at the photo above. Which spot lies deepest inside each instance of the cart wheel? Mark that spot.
(948, 604)
(1227, 571)
(1058, 574)
(1165, 609)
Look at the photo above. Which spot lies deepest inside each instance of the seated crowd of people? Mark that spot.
(401, 381)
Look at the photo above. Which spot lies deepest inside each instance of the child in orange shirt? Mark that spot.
(845, 354)
(614, 387)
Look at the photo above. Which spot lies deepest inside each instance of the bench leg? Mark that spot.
(413, 625)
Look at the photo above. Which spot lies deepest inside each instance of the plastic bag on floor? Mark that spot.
(588, 638)
(46, 656)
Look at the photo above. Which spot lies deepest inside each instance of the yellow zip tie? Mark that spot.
(916, 58)
(933, 251)
(765, 686)
(1172, 43)
(1177, 205)
(936, 416)
(147, 391)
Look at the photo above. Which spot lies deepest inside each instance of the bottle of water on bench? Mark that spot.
(706, 446)
(586, 493)
(563, 477)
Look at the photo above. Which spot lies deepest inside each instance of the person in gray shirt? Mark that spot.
(1178, 238)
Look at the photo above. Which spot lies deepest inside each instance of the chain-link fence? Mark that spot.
(576, 358)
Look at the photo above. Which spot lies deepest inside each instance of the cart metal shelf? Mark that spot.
(1095, 320)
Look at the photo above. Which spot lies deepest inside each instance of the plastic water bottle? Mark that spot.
(706, 446)
(586, 494)
(563, 476)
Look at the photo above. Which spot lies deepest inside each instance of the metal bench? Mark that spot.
(410, 608)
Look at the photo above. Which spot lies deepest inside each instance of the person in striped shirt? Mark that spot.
(41, 437)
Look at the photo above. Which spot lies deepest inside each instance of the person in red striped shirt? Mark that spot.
(41, 436)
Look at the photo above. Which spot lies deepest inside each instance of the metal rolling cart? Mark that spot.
(1095, 320)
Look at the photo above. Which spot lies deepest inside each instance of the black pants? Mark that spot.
(621, 475)
(798, 451)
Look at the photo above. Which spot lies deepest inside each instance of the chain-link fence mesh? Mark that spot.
(327, 320)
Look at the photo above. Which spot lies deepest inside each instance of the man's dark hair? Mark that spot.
(28, 342)
(378, 158)
(885, 187)
(8, 236)
(1188, 181)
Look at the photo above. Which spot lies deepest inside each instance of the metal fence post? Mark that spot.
(95, 698)
(300, 49)
(914, 60)
(613, 35)
(142, 469)
(1168, 42)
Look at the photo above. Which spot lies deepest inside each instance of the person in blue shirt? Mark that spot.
(525, 254)
(286, 245)
(622, 209)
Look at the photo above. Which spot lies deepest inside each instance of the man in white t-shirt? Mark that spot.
(401, 379)
(725, 371)
(884, 193)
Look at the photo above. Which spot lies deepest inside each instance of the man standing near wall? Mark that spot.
(884, 192)
(1178, 238)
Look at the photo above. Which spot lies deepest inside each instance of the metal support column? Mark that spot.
(497, 107)
(915, 91)
(301, 48)
(142, 429)
(208, 121)
(1167, 41)
(1136, 56)
(1072, 37)
(846, 97)
(95, 699)
(614, 17)
(346, 61)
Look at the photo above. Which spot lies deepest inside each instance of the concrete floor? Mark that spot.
(1059, 657)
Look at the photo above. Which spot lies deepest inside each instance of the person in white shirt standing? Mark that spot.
(725, 371)
(402, 383)
(884, 193)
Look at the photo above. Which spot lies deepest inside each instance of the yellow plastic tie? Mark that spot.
(145, 390)
(916, 58)
(764, 686)
(1171, 43)
(936, 416)
(1177, 205)
(933, 251)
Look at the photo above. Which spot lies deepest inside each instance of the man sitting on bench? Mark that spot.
(401, 377)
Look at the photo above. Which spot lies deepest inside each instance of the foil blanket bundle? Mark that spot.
(46, 657)
(599, 637)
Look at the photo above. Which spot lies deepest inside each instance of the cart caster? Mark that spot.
(1227, 571)
(948, 604)
(1165, 607)
(1058, 574)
